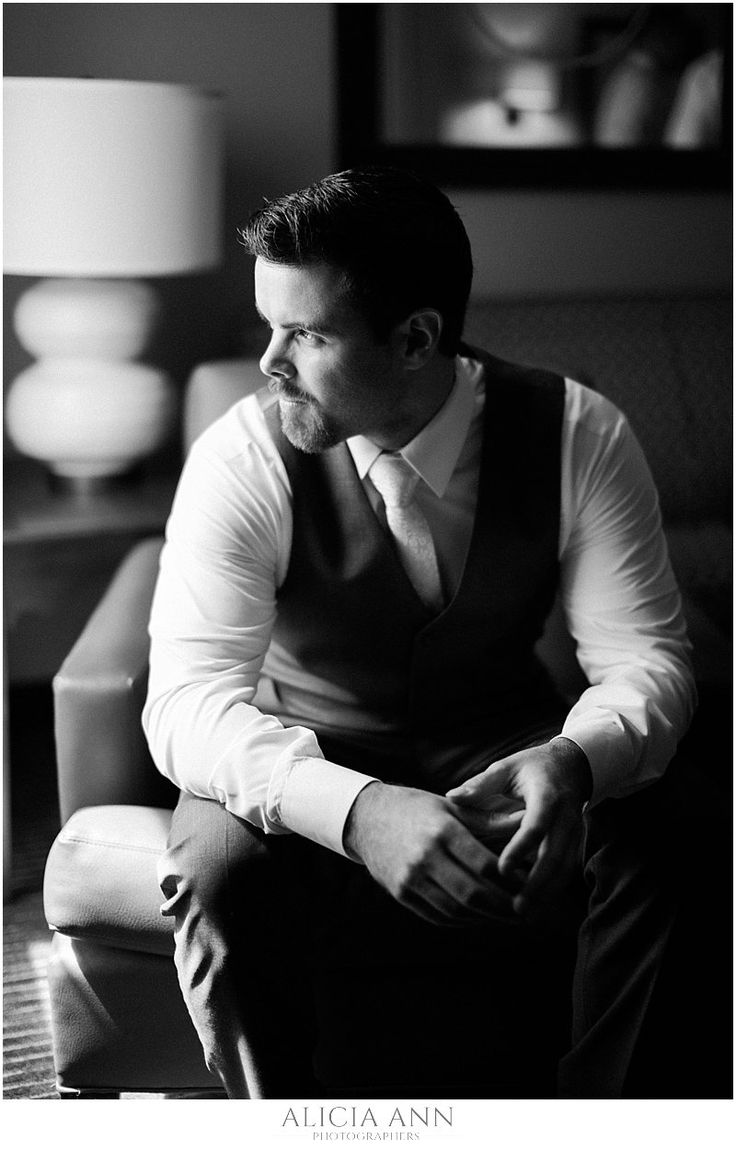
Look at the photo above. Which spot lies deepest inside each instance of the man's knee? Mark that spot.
(223, 871)
(208, 850)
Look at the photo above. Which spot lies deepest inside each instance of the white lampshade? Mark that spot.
(110, 178)
(105, 182)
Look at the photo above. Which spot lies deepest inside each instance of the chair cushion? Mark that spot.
(100, 881)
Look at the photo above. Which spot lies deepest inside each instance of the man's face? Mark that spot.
(333, 378)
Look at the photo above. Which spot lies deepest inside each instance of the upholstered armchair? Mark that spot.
(118, 1020)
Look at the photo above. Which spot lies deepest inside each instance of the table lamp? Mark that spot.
(105, 181)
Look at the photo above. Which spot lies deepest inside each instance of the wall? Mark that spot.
(274, 63)
(574, 243)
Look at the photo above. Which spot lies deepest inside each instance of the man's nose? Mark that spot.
(275, 361)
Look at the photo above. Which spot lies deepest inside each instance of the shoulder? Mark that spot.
(239, 434)
(588, 414)
(233, 476)
(602, 457)
(239, 448)
(585, 411)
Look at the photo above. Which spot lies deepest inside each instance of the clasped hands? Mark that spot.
(502, 845)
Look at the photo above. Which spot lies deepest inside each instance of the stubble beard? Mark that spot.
(305, 427)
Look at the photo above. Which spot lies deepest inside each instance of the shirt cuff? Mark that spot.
(317, 798)
(611, 757)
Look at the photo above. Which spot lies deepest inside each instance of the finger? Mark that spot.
(464, 906)
(492, 781)
(431, 910)
(535, 824)
(475, 879)
(454, 898)
(534, 893)
(454, 880)
(557, 858)
(484, 823)
(495, 841)
(470, 903)
(481, 900)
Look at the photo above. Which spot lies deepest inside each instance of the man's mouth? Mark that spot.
(285, 396)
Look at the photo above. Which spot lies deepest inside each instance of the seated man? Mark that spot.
(359, 562)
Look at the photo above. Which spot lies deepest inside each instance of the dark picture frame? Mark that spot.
(362, 139)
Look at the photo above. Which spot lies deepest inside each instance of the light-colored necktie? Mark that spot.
(395, 480)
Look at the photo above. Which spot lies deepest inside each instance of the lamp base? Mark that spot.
(88, 486)
(84, 408)
(89, 419)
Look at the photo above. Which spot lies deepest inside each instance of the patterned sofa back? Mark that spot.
(665, 362)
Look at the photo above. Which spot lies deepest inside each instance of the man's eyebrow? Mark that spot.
(316, 325)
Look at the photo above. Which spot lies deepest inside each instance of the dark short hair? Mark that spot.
(396, 237)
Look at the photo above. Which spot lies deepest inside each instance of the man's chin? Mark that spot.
(303, 430)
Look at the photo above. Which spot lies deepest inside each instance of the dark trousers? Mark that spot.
(305, 979)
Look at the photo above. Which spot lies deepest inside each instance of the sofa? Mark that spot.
(118, 1020)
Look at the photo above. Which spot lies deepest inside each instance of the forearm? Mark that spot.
(210, 742)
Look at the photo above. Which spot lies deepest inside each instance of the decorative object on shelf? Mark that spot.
(537, 96)
(104, 180)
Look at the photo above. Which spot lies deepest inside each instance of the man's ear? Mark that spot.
(420, 333)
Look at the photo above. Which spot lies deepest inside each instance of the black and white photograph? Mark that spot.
(368, 588)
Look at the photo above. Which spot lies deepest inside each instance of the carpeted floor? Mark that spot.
(28, 1068)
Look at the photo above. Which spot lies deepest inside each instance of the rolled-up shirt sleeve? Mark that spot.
(621, 602)
(226, 551)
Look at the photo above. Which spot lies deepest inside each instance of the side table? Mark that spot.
(60, 551)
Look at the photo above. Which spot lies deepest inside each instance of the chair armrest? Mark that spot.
(99, 692)
(100, 881)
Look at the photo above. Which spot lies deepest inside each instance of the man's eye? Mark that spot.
(307, 336)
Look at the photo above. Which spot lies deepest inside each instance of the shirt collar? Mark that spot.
(434, 452)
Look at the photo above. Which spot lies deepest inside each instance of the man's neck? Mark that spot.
(429, 391)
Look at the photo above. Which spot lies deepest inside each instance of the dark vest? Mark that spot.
(354, 650)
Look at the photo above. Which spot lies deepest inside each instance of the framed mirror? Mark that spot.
(547, 95)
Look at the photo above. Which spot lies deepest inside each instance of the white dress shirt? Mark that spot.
(227, 550)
